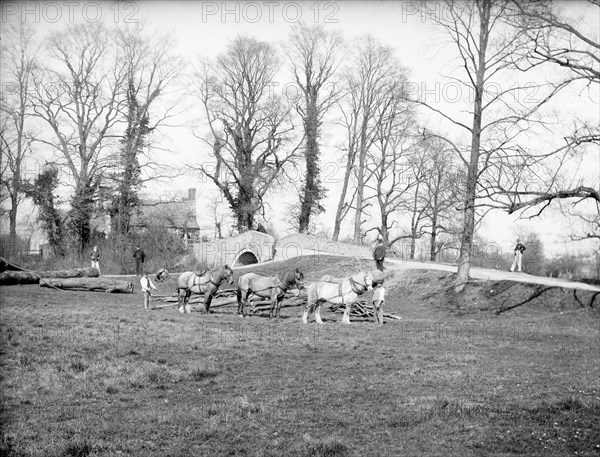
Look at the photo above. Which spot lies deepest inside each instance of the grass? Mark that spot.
(92, 374)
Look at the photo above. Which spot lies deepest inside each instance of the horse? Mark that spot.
(336, 291)
(273, 287)
(205, 283)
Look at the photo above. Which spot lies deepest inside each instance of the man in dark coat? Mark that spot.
(379, 254)
(139, 257)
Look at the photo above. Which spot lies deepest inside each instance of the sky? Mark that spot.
(205, 28)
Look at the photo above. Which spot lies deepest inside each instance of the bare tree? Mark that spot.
(374, 74)
(15, 108)
(560, 42)
(416, 205)
(487, 45)
(77, 95)
(388, 165)
(250, 126)
(441, 180)
(149, 68)
(314, 58)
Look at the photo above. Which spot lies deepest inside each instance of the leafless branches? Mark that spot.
(251, 130)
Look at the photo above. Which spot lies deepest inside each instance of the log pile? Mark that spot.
(361, 309)
(103, 284)
(10, 277)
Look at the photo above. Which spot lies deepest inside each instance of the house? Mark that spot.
(178, 216)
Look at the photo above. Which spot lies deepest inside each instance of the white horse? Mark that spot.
(336, 291)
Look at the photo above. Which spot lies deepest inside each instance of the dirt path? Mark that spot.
(492, 275)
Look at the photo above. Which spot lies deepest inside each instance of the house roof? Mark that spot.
(181, 214)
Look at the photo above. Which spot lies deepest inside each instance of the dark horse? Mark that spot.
(273, 287)
(205, 283)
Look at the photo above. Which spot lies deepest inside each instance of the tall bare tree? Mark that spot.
(18, 65)
(314, 55)
(416, 205)
(441, 181)
(372, 76)
(388, 164)
(489, 49)
(251, 130)
(77, 95)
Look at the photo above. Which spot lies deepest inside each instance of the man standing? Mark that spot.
(139, 257)
(147, 287)
(379, 254)
(519, 248)
(378, 300)
(95, 258)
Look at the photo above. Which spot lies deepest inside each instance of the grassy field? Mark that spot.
(93, 374)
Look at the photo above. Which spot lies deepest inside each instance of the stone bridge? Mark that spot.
(245, 249)
(257, 247)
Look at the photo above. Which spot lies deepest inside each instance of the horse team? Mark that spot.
(341, 291)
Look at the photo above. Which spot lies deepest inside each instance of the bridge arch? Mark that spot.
(246, 257)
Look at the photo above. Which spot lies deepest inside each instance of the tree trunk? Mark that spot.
(312, 186)
(466, 246)
(432, 248)
(91, 284)
(9, 278)
(12, 216)
(385, 236)
(360, 184)
(339, 214)
(413, 242)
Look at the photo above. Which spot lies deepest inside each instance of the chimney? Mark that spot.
(192, 194)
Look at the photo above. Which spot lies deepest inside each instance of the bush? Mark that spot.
(162, 249)
(13, 247)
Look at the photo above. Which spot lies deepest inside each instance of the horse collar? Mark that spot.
(355, 286)
(216, 284)
(284, 288)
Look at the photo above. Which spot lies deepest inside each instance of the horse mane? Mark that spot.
(290, 276)
(223, 270)
(285, 277)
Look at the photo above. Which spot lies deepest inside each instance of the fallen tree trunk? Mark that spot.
(90, 284)
(10, 278)
(89, 272)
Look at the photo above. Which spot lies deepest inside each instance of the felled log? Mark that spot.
(89, 272)
(90, 284)
(10, 278)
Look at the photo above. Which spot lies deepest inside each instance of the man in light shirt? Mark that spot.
(378, 300)
(518, 250)
(147, 287)
(95, 258)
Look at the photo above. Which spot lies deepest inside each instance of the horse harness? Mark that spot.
(279, 285)
(357, 288)
(194, 283)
